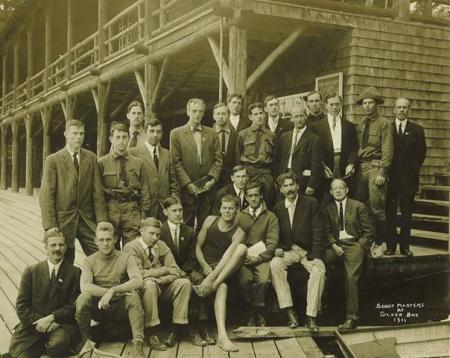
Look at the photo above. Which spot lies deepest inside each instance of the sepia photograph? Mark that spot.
(225, 178)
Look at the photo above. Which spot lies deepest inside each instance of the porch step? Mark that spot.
(435, 192)
(432, 235)
(443, 178)
(429, 222)
(430, 206)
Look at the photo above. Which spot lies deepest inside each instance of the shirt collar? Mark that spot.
(330, 118)
(288, 204)
(115, 155)
(50, 266)
(173, 226)
(300, 131)
(198, 128)
(150, 147)
(234, 116)
(144, 245)
(404, 122)
(226, 129)
(237, 190)
(139, 131)
(72, 153)
(274, 120)
(344, 203)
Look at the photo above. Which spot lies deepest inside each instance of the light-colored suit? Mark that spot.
(189, 168)
(70, 201)
(161, 182)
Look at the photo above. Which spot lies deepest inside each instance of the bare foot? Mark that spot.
(225, 344)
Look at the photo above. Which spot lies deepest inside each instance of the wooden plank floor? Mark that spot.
(21, 245)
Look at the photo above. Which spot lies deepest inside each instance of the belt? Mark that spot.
(373, 162)
(257, 166)
(122, 198)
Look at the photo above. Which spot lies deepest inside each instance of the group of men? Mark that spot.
(161, 224)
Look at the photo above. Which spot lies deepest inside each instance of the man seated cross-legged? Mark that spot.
(109, 281)
(162, 279)
(220, 252)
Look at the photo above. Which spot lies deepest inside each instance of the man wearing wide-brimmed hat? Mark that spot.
(375, 137)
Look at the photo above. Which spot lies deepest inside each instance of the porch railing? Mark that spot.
(57, 72)
(84, 54)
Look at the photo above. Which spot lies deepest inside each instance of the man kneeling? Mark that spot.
(45, 304)
(220, 252)
(162, 278)
(109, 281)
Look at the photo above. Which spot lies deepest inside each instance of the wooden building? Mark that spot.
(89, 59)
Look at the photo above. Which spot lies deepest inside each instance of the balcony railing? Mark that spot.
(84, 55)
(37, 84)
(57, 72)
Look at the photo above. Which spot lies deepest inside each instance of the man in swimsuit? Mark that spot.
(220, 252)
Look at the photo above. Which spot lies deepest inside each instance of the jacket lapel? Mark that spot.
(68, 161)
(302, 141)
(45, 277)
(189, 137)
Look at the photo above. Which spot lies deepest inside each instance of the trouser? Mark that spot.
(126, 308)
(405, 201)
(57, 343)
(254, 282)
(126, 218)
(198, 211)
(84, 230)
(353, 259)
(178, 292)
(316, 281)
(265, 178)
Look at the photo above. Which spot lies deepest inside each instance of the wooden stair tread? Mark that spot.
(432, 202)
(429, 217)
(435, 187)
(441, 236)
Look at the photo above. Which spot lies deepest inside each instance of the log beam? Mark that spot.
(159, 85)
(70, 32)
(216, 53)
(103, 92)
(15, 157)
(141, 85)
(48, 52)
(237, 60)
(4, 157)
(46, 114)
(29, 155)
(273, 56)
(102, 20)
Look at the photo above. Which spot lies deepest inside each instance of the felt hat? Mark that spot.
(370, 92)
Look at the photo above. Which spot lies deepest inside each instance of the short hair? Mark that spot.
(221, 104)
(73, 123)
(255, 105)
(288, 175)
(135, 104)
(269, 98)
(153, 122)
(105, 227)
(170, 200)
(55, 233)
(253, 184)
(151, 221)
(300, 107)
(332, 95)
(402, 98)
(195, 100)
(229, 198)
(314, 92)
(238, 168)
(234, 95)
(117, 126)
(338, 179)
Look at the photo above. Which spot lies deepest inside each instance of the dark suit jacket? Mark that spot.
(357, 222)
(284, 126)
(37, 298)
(229, 158)
(65, 195)
(242, 124)
(185, 257)
(307, 157)
(228, 189)
(160, 183)
(307, 230)
(184, 157)
(409, 154)
(349, 149)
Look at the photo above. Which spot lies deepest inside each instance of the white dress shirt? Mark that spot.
(397, 123)
(273, 123)
(336, 133)
(299, 133)
(343, 234)
(151, 149)
(234, 120)
(51, 266)
(291, 208)
(175, 232)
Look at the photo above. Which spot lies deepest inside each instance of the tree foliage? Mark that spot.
(7, 8)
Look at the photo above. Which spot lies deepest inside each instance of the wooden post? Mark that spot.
(151, 80)
(102, 20)
(154, 106)
(401, 8)
(150, 6)
(16, 65)
(15, 156)
(428, 8)
(48, 42)
(103, 91)
(46, 114)
(30, 56)
(29, 155)
(237, 60)
(4, 158)
(70, 30)
(4, 77)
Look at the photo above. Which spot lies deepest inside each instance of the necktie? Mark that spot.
(155, 158)
(254, 214)
(175, 239)
(53, 276)
(151, 257)
(123, 172)
(400, 131)
(341, 217)
(198, 141)
(241, 201)
(223, 139)
(334, 122)
(294, 144)
(133, 141)
(365, 135)
(75, 162)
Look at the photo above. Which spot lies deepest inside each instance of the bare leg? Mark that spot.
(220, 310)
(231, 266)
